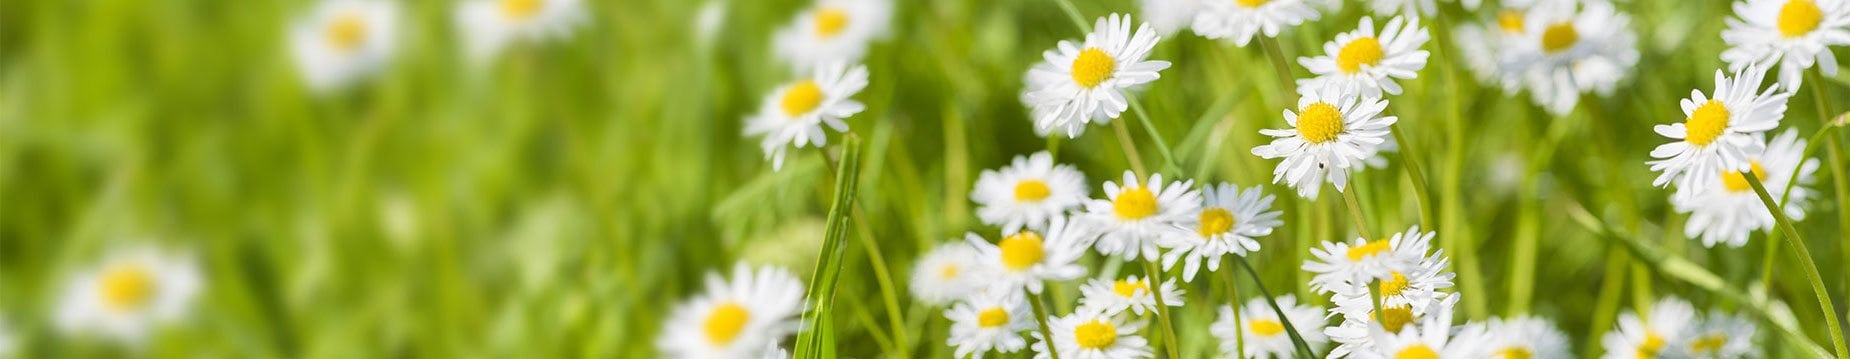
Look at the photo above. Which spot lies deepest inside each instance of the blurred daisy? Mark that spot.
(1524, 337)
(1133, 218)
(832, 31)
(1364, 330)
(1433, 337)
(1230, 219)
(1093, 335)
(1025, 259)
(1239, 20)
(1346, 265)
(1333, 131)
(1264, 334)
(1484, 45)
(1719, 133)
(1730, 214)
(1114, 296)
(1412, 8)
(1564, 53)
(990, 321)
(736, 319)
(949, 272)
(1670, 322)
(1028, 193)
(1364, 63)
(1081, 83)
(133, 292)
(487, 26)
(1795, 34)
(343, 41)
(1720, 336)
(1169, 16)
(794, 113)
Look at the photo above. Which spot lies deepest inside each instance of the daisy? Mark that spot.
(1484, 45)
(1114, 296)
(990, 321)
(1239, 20)
(1230, 219)
(1730, 214)
(1432, 337)
(343, 41)
(1169, 16)
(1025, 259)
(487, 26)
(1339, 266)
(1264, 334)
(1093, 335)
(1134, 217)
(1720, 336)
(794, 113)
(1357, 335)
(1333, 131)
(1362, 62)
(1795, 34)
(1028, 193)
(1719, 132)
(1564, 53)
(1414, 285)
(949, 272)
(1648, 337)
(1081, 83)
(736, 319)
(832, 31)
(133, 292)
(1524, 337)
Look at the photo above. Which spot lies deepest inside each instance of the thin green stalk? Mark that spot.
(1408, 154)
(828, 264)
(884, 278)
(1130, 149)
(1606, 306)
(1162, 146)
(1040, 316)
(1833, 155)
(1296, 340)
(1233, 296)
(1772, 244)
(1154, 277)
(1805, 262)
(1053, 146)
(1355, 211)
(1072, 13)
(1280, 66)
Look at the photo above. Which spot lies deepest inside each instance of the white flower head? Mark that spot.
(1133, 293)
(1524, 337)
(1025, 259)
(1719, 132)
(1485, 45)
(1414, 286)
(1028, 193)
(1333, 131)
(1084, 83)
(488, 26)
(1720, 336)
(735, 319)
(1365, 62)
(1565, 52)
(1264, 333)
(132, 293)
(341, 42)
(1794, 34)
(793, 115)
(988, 321)
(1727, 215)
(1670, 322)
(1239, 20)
(832, 31)
(1340, 266)
(947, 273)
(1229, 222)
(1364, 332)
(1090, 334)
(1431, 337)
(1133, 217)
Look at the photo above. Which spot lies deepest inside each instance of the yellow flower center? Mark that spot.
(521, 9)
(128, 288)
(948, 272)
(1251, 3)
(1126, 288)
(1651, 345)
(1096, 334)
(1395, 317)
(1021, 250)
(1559, 37)
(1266, 327)
(1510, 21)
(726, 323)
(1365, 250)
(1361, 51)
(1134, 203)
(1417, 351)
(1092, 67)
(1706, 124)
(346, 32)
(1515, 353)
(1030, 191)
(1799, 17)
(993, 317)
(1735, 181)
(802, 98)
(1320, 122)
(1394, 285)
(830, 21)
(1708, 344)
(1214, 221)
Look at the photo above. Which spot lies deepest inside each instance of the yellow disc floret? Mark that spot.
(1395, 317)
(1251, 3)
(1510, 21)
(1214, 221)
(1320, 122)
(1126, 288)
(1706, 123)
(1366, 250)
(1515, 353)
(1134, 203)
(992, 317)
(1799, 17)
(128, 288)
(726, 322)
(1736, 182)
(521, 10)
(1266, 327)
(1361, 51)
(1393, 286)
(801, 98)
(1093, 66)
(1030, 191)
(1417, 351)
(346, 33)
(1021, 250)
(1559, 37)
(1096, 334)
(830, 21)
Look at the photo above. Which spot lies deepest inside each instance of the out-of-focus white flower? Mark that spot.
(132, 293)
(488, 26)
(737, 318)
(341, 42)
(832, 31)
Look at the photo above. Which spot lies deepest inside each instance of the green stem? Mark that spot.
(1040, 316)
(1407, 154)
(1072, 13)
(1280, 66)
(1154, 277)
(1833, 155)
(1805, 262)
(1162, 146)
(884, 278)
(828, 264)
(1130, 149)
(1355, 210)
(1296, 340)
(1233, 295)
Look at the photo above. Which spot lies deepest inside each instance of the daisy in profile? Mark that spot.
(794, 113)
(1085, 82)
(1729, 214)
(947, 273)
(343, 41)
(1230, 220)
(1795, 34)
(1133, 216)
(487, 26)
(1432, 337)
(1091, 334)
(1169, 16)
(1720, 336)
(1264, 334)
(1333, 131)
(1028, 193)
(1413, 286)
(1524, 337)
(990, 321)
(1136, 294)
(832, 31)
(1365, 63)
(1339, 266)
(1239, 20)
(133, 292)
(1719, 133)
(1022, 260)
(1565, 52)
(1365, 331)
(737, 318)
(1670, 322)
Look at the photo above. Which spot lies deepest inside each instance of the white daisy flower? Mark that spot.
(1720, 336)
(1719, 133)
(1025, 259)
(1340, 266)
(1485, 45)
(1134, 293)
(487, 26)
(1356, 335)
(736, 319)
(1239, 20)
(1414, 8)
(1169, 16)
(1265, 335)
(1364, 63)
(343, 41)
(990, 321)
(949, 272)
(1230, 220)
(832, 31)
(1565, 53)
(1333, 131)
(794, 113)
(1082, 83)
(1432, 337)
(1131, 219)
(1524, 337)
(1730, 214)
(1795, 34)
(1092, 335)
(1413, 285)
(1670, 322)
(133, 292)
(1028, 193)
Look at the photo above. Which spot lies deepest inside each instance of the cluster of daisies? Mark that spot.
(126, 298)
(341, 42)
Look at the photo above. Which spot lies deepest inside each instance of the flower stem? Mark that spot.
(1072, 13)
(1833, 155)
(1233, 296)
(1130, 148)
(1408, 155)
(1279, 66)
(1355, 210)
(1162, 146)
(1296, 340)
(1154, 277)
(1805, 261)
(1040, 316)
